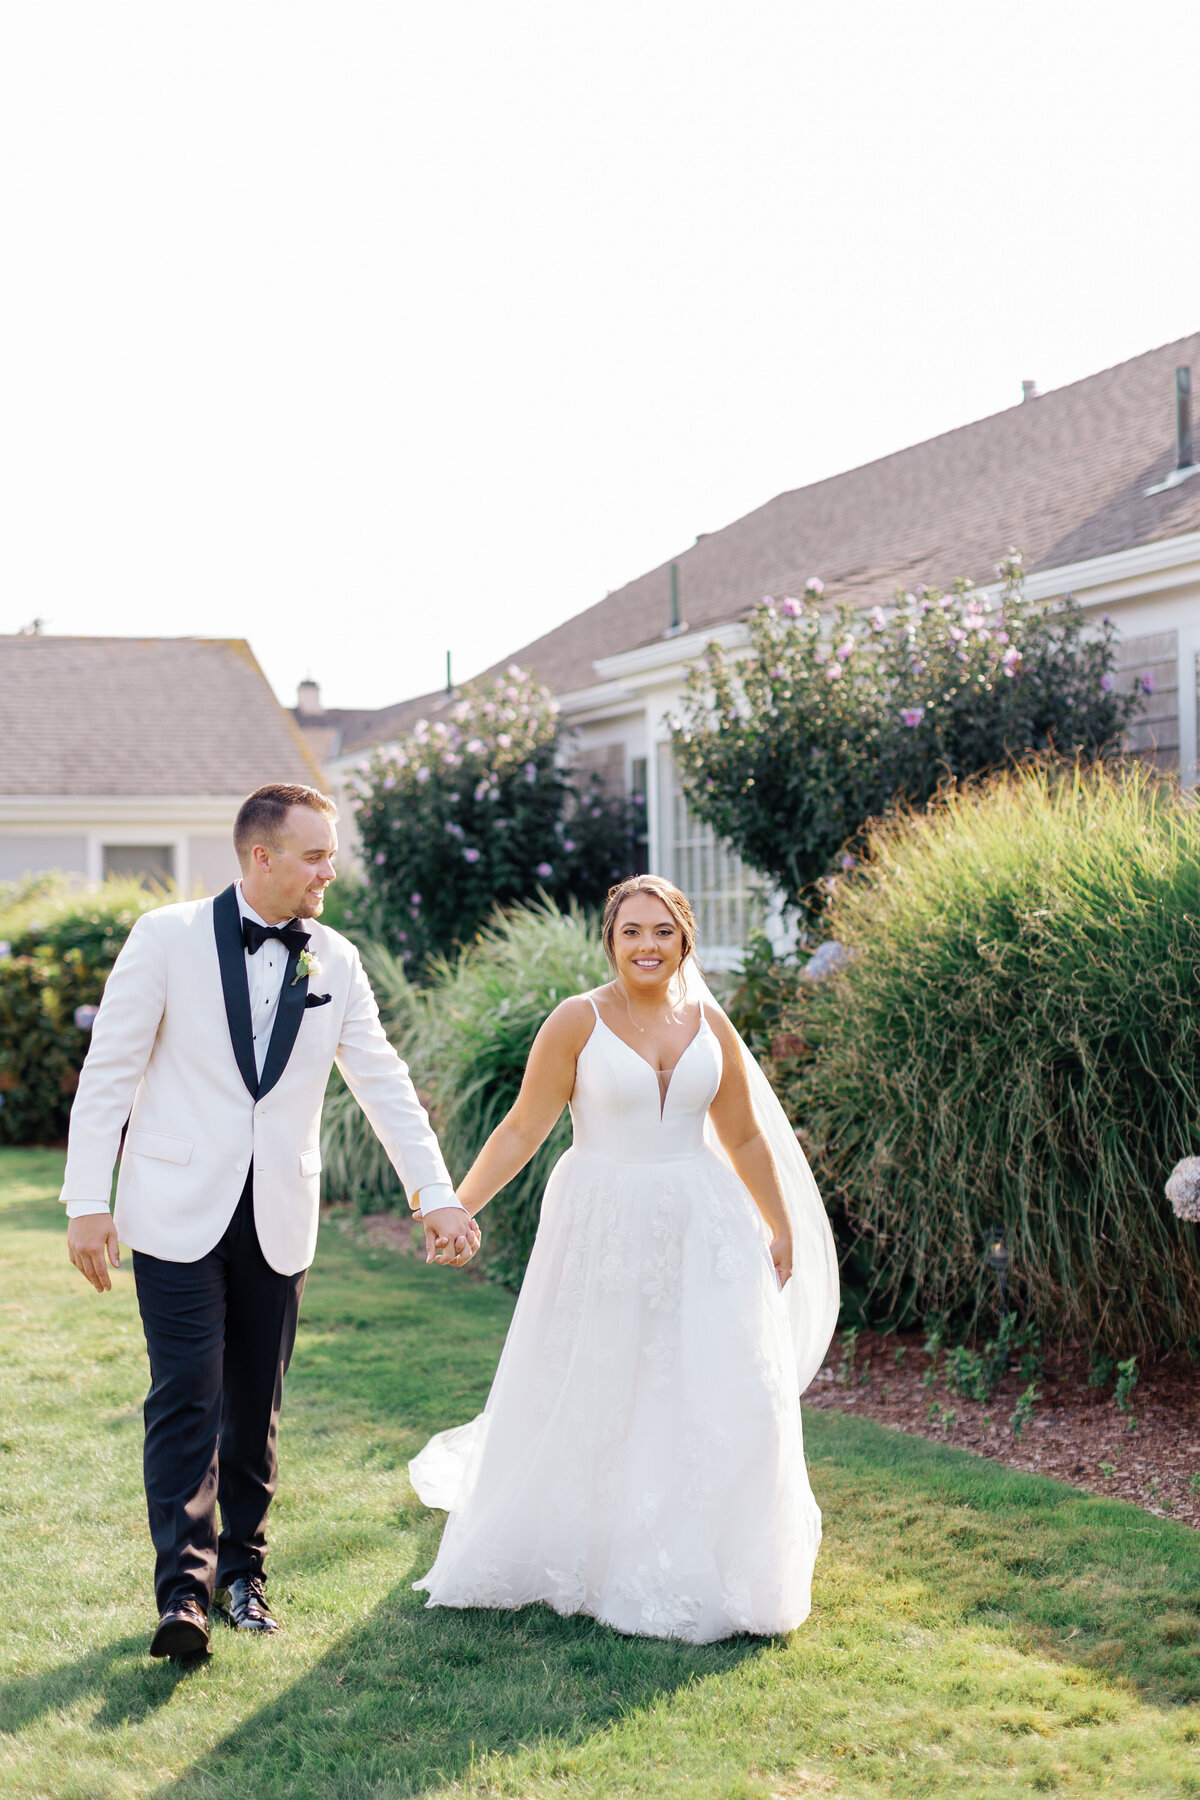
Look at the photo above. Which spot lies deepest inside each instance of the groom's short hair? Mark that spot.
(263, 814)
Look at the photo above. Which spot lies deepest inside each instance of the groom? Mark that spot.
(219, 1024)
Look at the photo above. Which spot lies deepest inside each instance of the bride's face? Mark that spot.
(647, 945)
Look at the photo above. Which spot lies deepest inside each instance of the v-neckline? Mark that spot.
(670, 1073)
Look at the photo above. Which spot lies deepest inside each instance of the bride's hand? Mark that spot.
(781, 1256)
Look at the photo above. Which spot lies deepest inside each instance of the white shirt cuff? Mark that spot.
(79, 1209)
(438, 1193)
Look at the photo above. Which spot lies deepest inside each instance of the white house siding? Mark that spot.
(213, 861)
(92, 836)
(25, 853)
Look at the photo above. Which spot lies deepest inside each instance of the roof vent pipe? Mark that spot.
(675, 627)
(1029, 390)
(1184, 458)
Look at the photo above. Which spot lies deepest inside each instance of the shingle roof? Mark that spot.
(141, 716)
(1062, 477)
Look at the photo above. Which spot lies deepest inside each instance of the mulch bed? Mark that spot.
(1076, 1434)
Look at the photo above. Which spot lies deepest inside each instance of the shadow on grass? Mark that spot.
(411, 1698)
(1085, 1579)
(129, 1686)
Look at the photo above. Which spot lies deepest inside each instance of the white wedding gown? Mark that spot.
(640, 1455)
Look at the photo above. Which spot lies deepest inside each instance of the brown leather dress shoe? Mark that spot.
(182, 1632)
(246, 1607)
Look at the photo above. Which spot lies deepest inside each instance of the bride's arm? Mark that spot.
(547, 1085)
(733, 1115)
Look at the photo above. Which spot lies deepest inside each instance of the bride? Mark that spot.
(640, 1458)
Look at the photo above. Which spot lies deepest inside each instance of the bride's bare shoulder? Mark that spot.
(570, 1024)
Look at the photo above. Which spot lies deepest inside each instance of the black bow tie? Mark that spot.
(254, 936)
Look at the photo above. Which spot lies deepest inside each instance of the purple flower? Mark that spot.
(422, 773)
(878, 620)
(568, 843)
(845, 648)
(1106, 684)
(544, 870)
(380, 857)
(778, 674)
(531, 773)
(1011, 658)
(414, 899)
(912, 715)
(85, 1017)
(470, 855)
(389, 781)
(1148, 682)
(832, 670)
(792, 608)
(814, 585)
(847, 863)
(402, 936)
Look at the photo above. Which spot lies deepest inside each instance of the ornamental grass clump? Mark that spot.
(1017, 1043)
(467, 1036)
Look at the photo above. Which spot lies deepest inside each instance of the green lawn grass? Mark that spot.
(975, 1631)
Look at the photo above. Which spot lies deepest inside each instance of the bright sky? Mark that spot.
(370, 331)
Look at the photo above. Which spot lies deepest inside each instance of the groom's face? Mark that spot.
(290, 877)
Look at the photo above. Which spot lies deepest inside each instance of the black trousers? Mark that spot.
(220, 1333)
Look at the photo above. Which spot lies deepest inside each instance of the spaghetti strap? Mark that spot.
(594, 1008)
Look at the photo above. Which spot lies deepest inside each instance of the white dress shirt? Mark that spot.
(264, 977)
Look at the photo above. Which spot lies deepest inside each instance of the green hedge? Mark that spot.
(1015, 1041)
(57, 945)
(467, 1037)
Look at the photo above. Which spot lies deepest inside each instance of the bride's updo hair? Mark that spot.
(675, 901)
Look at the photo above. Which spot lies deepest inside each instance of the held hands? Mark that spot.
(88, 1240)
(451, 1236)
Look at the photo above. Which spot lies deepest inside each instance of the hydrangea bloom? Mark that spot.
(912, 715)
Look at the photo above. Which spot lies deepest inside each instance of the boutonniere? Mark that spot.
(306, 966)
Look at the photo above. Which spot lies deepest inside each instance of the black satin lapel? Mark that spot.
(287, 1024)
(227, 924)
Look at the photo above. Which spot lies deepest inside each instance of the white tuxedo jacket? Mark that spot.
(172, 1052)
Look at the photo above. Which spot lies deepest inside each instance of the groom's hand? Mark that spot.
(89, 1239)
(451, 1236)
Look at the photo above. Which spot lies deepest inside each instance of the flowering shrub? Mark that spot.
(473, 810)
(788, 752)
(58, 945)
